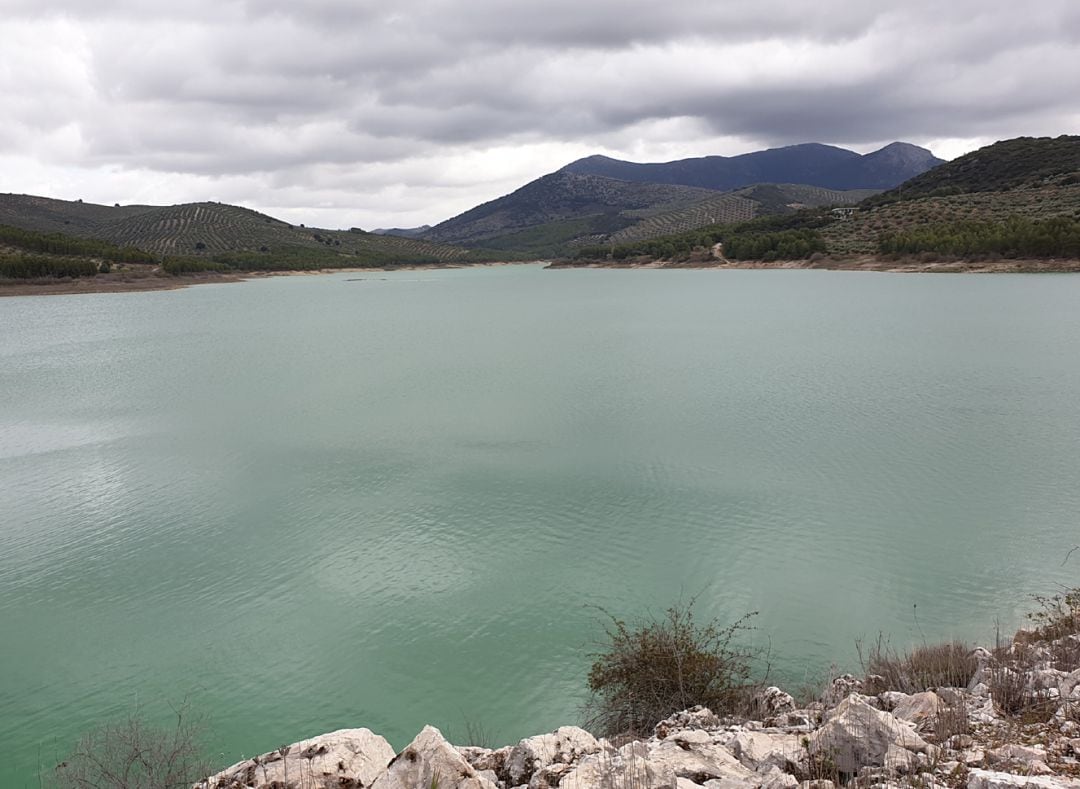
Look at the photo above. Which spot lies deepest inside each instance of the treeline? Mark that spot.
(782, 237)
(60, 244)
(1015, 237)
(41, 266)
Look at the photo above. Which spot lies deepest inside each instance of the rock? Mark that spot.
(922, 709)
(347, 757)
(820, 783)
(855, 734)
(430, 757)
(1045, 680)
(891, 698)
(988, 779)
(1013, 752)
(775, 778)
(626, 767)
(694, 718)
(900, 760)
(684, 783)
(1069, 686)
(758, 749)
(486, 759)
(981, 676)
(566, 744)
(698, 762)
(842, 687)
(772, 701)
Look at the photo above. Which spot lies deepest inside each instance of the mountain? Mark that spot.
(591, 203)
(557, 213)
(810, 163)
(206, 229)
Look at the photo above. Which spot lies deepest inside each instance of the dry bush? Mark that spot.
(135, 755)
(659, 666)
(1058, 615)
(946, 665)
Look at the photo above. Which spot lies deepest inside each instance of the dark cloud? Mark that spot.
(338, 103)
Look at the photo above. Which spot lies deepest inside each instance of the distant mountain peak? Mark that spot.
(811, 163)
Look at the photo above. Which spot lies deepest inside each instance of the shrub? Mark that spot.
(658, 666)
(135, 755)
(947, 665)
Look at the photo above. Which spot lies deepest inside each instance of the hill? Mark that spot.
(205, 230)
(1014, 200)
(810, 163)
(607, 203)
(1003, 166)
(560, 212)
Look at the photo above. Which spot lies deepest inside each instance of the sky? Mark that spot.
(350, 113)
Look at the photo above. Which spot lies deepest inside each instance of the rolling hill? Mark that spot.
(563, 211)
(810, 163)
(1015, 200)
(203, 230)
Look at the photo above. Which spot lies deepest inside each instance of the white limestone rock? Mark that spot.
(855, 735)
(565, 745)
(990, 779)
(429, 757)
(347, 757)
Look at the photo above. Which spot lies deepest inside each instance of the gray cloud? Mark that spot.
(358, 112)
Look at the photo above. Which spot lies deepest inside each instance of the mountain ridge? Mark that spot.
(813, 164)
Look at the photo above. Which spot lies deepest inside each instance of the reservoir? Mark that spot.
(389, 499)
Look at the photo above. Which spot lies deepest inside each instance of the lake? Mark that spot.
(390, 499)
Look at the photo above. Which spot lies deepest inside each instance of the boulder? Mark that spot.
(890, 699)
(430, 758)
(840, 688)
(772, 701)
(699, 762)
(352, 758)
(855, 734)
(989, 779)
(626, 767)
(922, 709)
(758, 750)
(1069, 687)
(565, 745)
(694, 718)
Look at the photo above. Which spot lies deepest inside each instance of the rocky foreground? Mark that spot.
(1027, 738)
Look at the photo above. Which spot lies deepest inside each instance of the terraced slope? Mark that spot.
(860, 234)
(208, 229)
(738, 206)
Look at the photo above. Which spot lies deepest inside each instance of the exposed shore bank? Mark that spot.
(1014, 724)
(125, 282)
(862, 263)
(144, 281)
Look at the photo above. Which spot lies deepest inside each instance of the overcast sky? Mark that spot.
(341, 113)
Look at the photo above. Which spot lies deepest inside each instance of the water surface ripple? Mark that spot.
(312, 502)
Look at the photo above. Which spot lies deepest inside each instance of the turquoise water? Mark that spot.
(385, 500)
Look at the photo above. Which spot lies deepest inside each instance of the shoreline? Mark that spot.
(861, 263)
(123, 282)
(149, 282)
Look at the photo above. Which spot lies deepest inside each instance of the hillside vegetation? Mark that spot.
(201, 237)
(1024, 162)
(1015, 199)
